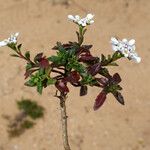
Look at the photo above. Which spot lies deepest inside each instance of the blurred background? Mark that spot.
(43, 22)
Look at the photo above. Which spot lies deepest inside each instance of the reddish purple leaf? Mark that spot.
(87, 57)
(38, 57)
(87, 47)
(62, 87)
(73, 77)
(67, 46)
(119, 97)
(83, 90)
(94, 69)
(99, 100)
(84, 48)
(103, 81)
(28, 73)
(44, 63)
(116, 78)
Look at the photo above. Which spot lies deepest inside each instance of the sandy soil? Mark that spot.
(113, 127)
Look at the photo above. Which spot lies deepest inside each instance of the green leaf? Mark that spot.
(71, 52)
(109, 58)
(88, 79)
(113, 88)
(12, 46)
(74, 64)
(19, 47)
(51, 81)
(28, 66)
(53, 58)
(27, 55)
(41, 71)
(117, 55)
(30, 83)
(104, 72)
(113, 64)
(60, 46)
(39, 87)
(103, 58)
(61, 58)
(118, 87)
(47, 71)
(14, 55)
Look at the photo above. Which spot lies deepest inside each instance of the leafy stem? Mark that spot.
(110, 60)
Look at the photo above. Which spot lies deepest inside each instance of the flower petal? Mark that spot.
(136, 59)
(125, 41)
(89, 16)
(3, 43)
(70, 17)
(16, 34)
(131, 42)
(114, 40)
(77, 18)
(115, 48)
(91, 21)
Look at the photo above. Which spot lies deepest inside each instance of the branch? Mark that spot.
(56, 71)
(64, 117)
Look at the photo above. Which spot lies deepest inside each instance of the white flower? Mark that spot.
(127, 48)
(82, 21)
(11, 39)
(89, 19)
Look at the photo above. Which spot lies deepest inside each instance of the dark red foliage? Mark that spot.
(86, 57)
(73, 77)
(116, 78)
(86, 47)
(94, 69)
(44, 63)
(28, 73)
(67, 46)
(61, 86)
(38, 57)
(100, 100)
(119, 97)
(83, 90)
(102, 81)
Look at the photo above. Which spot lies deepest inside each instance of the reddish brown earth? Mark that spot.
(113, 127)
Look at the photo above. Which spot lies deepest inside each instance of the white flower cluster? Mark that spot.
(127, 48)
(11, 39)
(82, 21)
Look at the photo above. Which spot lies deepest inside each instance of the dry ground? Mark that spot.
(113, 127)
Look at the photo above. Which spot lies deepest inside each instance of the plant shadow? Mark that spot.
(29, 112)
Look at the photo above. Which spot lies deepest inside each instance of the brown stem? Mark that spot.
(56, 71)
(63, 98)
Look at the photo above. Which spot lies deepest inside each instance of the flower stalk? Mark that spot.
(81, 37)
